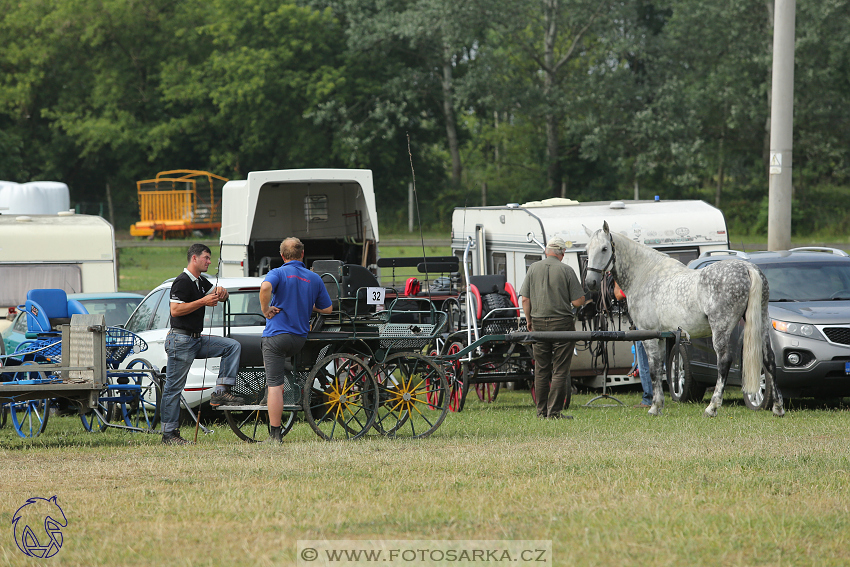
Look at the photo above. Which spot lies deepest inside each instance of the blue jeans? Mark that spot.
(643, 370)
(182, 350)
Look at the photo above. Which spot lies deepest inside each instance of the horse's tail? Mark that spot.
(753, 334)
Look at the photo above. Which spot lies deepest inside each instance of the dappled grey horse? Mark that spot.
(664, 295)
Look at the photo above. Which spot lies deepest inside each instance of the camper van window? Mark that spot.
(530, 259)
(316, 208)
(18, 279)
(500, 264)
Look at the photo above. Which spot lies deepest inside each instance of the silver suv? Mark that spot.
(809, 312)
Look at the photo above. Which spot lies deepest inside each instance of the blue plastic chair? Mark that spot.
(47, 308)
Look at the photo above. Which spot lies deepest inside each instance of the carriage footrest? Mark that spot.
(256, 407)
(36, 381)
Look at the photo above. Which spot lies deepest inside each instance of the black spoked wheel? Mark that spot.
(414, 396)
(683, 386)
(253, 425)
(340, 397)
(251, 421)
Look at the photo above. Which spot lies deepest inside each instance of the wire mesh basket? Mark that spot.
(120, 343)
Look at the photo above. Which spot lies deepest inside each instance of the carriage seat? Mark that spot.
(331, 273)
(484, 285)
(252, 354)
(46, 309)
(354, 279)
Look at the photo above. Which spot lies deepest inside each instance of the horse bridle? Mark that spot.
(605, 267)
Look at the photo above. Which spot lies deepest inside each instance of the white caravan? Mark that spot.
(506, 240)
(331, 210)
(72, 252)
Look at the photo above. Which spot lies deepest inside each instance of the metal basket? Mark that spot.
(120, 343)
(42, 350)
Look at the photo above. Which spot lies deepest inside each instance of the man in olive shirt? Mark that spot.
(549, 292)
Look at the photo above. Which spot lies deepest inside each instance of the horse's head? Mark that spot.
(600, 256)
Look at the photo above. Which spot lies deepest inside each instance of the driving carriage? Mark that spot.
(124, 398)
(362, 369)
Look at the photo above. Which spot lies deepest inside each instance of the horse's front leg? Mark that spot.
(655, 354)
(724, 363)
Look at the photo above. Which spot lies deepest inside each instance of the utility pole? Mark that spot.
(781, 127)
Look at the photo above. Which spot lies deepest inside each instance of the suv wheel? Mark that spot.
(683, 387)
(762, 399)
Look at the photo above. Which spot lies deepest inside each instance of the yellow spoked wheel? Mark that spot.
(340, 397)
(414, 396)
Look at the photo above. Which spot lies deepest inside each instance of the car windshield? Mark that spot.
(808, 281)
(115, 311)
(244, 310)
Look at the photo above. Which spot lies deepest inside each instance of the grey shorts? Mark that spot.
(276, 353)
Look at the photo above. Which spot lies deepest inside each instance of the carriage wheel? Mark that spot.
(408, 380)
(110, 404)
(762, 399)
(134, 401)
(143, 411)
(432, 395)
(454, 377)
(683, 386)
(488, 391)
(253, 426)
(4, 413)
(340, 397)
(30, 418)
(467, 374)
(91, 421)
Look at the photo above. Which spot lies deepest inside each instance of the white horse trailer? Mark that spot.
(332, 211)
(507, 240)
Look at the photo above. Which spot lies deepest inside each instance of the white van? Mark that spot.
(507, 240)
(332, 211)
(67, 251)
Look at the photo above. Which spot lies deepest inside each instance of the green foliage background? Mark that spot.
(517, 101)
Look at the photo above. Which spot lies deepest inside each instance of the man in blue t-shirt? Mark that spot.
(288, 297)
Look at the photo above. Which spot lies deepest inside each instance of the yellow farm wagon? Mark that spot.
(178, 202)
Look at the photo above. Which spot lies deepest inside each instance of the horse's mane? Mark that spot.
(651, 260)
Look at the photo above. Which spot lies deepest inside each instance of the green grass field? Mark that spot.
(614, 486)
(142, 269)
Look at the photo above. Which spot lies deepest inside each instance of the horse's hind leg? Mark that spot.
(770, 369)
(724, 362)
(721, 333)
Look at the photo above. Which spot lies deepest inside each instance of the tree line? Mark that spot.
(484, 101)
